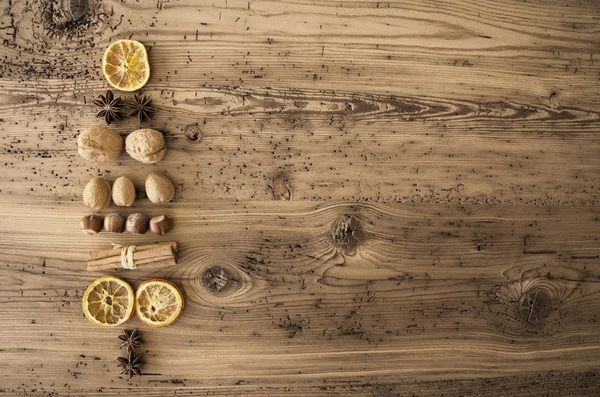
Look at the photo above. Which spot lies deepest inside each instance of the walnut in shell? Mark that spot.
(123, 192)
(96, 194)
(146, 145)
(100, 144)
(159, 188)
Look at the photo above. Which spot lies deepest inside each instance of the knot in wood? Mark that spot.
(347, 234)
(536, 300)
(216, 279)
(193, 133)
(536, 305)
(281, 189)
(66, 17)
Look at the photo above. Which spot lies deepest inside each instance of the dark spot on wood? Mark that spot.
(539, 252)
(281, 189)
(193, 133)
(216, 279)
(347, 234)
(292, 326)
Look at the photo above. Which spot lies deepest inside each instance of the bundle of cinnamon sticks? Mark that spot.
(151, 256)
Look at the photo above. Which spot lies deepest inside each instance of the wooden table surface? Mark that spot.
(404, 196)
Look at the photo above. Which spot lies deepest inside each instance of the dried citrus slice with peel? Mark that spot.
(158, 302)
(125, 65)
(108, 301)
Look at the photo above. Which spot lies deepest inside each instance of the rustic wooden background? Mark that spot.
(404, 196)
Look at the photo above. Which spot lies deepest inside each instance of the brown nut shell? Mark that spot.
(114, 223)
(137, 223)
(123, 192)
(96, 194)
(146, 145)
(100, 144)
(91, 224)
(160, 225)
(159, 188)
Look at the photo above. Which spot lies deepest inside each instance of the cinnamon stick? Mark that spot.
(109, 252)
(152, 256)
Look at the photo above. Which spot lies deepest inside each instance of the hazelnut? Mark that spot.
(137, 223)
(91, 224)
(146, 145)
(96, 194)
(114, 223)
(160, 225)
(100, 144)
(159, 188)
(123, 192)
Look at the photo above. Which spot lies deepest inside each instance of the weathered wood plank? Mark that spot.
(358, 31)
(542, 385)
(384, 148)
(423, 292)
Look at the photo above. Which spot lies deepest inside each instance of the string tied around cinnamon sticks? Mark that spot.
(126, 255)
(130, 257)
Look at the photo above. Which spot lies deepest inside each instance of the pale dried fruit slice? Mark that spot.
(125, 65)
(158, 302)
(108, 301)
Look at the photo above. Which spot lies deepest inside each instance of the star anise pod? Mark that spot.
(110, 105)
(130, 365)
(130, 340)
(142, 107)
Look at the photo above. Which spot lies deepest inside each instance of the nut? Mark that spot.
(123, 192)
(91, 224)
(96, 194)
(114, 223)
(100, 144)
(160, 225)
(146, 145)
(137, 223)
(159, 188)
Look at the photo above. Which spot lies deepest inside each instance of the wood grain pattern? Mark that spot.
(397, 198)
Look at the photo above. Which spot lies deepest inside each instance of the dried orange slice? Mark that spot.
(158, 302)
(108, 301)
(125, 65)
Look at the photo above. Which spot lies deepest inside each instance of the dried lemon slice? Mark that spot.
(158, 303)
(108, 301)
(125, 65)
